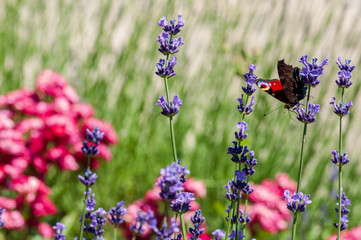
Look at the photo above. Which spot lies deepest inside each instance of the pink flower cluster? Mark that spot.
(152, 201)
(268, 209)
(39, 128)
(352, 234)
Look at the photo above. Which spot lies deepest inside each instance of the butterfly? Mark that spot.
(289, 89)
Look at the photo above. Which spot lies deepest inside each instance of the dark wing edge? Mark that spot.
(290, 80)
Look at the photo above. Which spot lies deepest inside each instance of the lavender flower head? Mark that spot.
(164, 232)
(297, 202)
(342, 109)
(167, 45)
(241, 135)
(233, 235)
(2, 223)
(345, 202)
(232, 192)
(197, 220)
(309, 116)
(173, 109)
(197, 217)
(88, 179)
(138, 226)
(95, 136)
(166, 71)
(250, 79)
(218, 234)
(345, 73)
(181, 204)
(90, 147)
(116, 213)
(59, 228)
(233, 218)
(171, 181)
(244, 219)
(238, 152)
(311, 71)
(242, 108)
(171, 28)
(240, 183)
(97, 222)
(339, 160)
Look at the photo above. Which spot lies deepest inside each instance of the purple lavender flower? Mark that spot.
(138, 226)
(240, 182)
(238, 152)
(233, 218)
(241, 135)
(197, 220)
(172, 180)
(218, 234)
(88, 179)
(232, 192)
(171, 28)
(167, 45)
(244, 219)
(2, 223)
(345, 202)
(250, 77)
(95, 136)
(308, 117)
(342, 109)
(181, 204)
(59, 228)
(90, 149)
(197, 217)
(166, 71)
(339, 160)
(247, 190)
(164, 232)
(96, 222)
(173, 109)
(297, 202)
(117, 213)
(233, 235)
(311, 71)
(345, 73)
(90, 201)
(242, 108)
(250, 163)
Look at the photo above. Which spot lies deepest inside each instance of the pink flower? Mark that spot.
(352, 234)
(7, 203)
(45, 230)
(42, 206)
(6, 122)
(83, 110)
(51, 83)
(13, 220)
(284, 182)
(195, 186)
(68, 162)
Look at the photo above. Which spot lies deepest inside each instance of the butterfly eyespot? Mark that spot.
(263, 85)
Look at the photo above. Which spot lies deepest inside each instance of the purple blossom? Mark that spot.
(250, 77)
(173, 109)
(233, 235)
(232, 192)
(116, 213)
(238, 152)
(164, 232)
(309, 116)
(218, 234)
(59, 228)
(166, 71)
(345, 73)
(90, 149)
(240, 182)
(242, 108)
(181, 204)
(250, 163)
(197, 218)
(233, 218)
(342, 109)
(95, 136)
(171, 28)
(247, 190)
(241, 135)
(2, 223)
(138, 226)
(339, 160)
(88, 179)
(244, 219)
(96, 222)
(90, 201)
(171, 182)
(311, 71)
(297, 202)
(345, 202)
(167, 45)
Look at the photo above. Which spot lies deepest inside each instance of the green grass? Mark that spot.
(107, 51)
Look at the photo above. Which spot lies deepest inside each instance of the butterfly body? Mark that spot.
(289, 89)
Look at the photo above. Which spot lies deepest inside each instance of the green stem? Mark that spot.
(176, 220)
(237, 214)
(184, 232)
(340, 175)
(294, 226)
(231, 211)
(84, 205)
(115, 231)
(175, 157)
(165, 213)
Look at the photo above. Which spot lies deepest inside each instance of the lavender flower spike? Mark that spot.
(339, 160)
(345, 73)
(173, 109)
(116, 213)
(342, 109)
(164, 232)
(59, 228)
(166, 71)
(242, 108)
(345, 202)
(138, 226)
(171, 28)
(241, 135)
(250, 79)
(311, 71)
(88, 179)
(2, 223)
(168, 46)
(181, 204)
(218, 234)
(297, 202)
(233, 235)
(240, 182)
(308, 117)
(95, 136)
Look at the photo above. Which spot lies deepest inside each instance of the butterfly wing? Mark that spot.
(294, 88)
(274, 88)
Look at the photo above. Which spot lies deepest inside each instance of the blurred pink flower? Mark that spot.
(352, 234)
(195, 186)
(45, 230)
(13, 220)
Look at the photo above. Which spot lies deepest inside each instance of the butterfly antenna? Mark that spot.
(290, 114)
(272, 111)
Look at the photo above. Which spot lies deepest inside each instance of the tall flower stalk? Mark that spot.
(169, 45)
(310, 76)
(245, 162)
(338, 159)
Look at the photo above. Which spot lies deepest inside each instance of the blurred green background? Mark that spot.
(107, 51)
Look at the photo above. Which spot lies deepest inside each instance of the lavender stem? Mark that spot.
(340, 175)
(84, 205)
